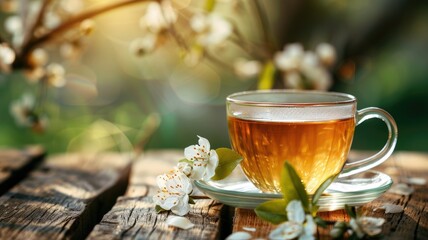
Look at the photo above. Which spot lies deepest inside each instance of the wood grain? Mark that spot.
(412, 223)
(134, 217)
(15, 165)
(64, 198)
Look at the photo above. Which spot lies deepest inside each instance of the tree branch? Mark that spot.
(38, 40)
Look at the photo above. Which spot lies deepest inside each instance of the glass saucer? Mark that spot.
(355, 190)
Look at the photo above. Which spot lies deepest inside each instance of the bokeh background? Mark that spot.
(114, 99)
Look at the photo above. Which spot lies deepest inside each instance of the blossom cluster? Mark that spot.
(299, 69)
(175, 186)
(306, 69)
(302, 226)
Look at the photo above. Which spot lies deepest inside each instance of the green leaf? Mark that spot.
(322, 188)
(272, 211)
(159, 209)
(191, 200)
(227, 161)
(186, 161)
(209, 5)
(267, 77)
(351, 211)
(320, 222)
(292, 186)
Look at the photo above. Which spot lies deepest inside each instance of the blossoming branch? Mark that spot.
(200, 34)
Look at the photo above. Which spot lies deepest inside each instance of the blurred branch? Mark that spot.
(29, 33)
(36, 40)
(267, 33)
(247, 46)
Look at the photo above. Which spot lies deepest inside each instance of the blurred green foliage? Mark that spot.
(382, 46)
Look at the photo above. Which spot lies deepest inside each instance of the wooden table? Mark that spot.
(108, 196)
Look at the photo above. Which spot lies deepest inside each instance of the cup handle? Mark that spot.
(372, 161)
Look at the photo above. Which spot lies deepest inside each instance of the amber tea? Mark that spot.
(311, 130)
(317, 150)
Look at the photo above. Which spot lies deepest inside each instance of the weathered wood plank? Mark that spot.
(64, 198)
(410, 224)
(15, 164)
(134, 217)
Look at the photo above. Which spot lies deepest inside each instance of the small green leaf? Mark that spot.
(292, 186)
(227, 161)
(272, 211)
(267, 76)
(159, 209)
(320, 222)
(186, 161)
(209, 5)
(351, 211)
(322, 188)
(191, 200)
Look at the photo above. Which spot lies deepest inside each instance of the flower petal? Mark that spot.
(179, 222)
(356, 228)
(401, 189)
(310, 227)
(190, 152)
(392, 208)
(287, 230)
(211, 166)
(416, 181)
(182, 207)
(295, 211)
(249, 229)
(239, 236)
(198, 172)
(170, 202)
(204, 143)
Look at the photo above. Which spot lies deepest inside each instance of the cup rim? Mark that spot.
(347, 98)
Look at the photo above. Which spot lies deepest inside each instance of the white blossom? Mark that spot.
(55, 75)
(22, 108)
(293, 80)
(290, 58)
(87, 26)
(51, 20)
(38, 57)
(14, 24)
(211, 29)
(304, 69)
(15, 27)
(247, 68)
(370, 226)
(185, 168)
(326, 53)
(205, 161)
(7, 56)
(173, 195)
(72, 7)
(143, 45)
(158, 17)
(23, 112)
(299, 225)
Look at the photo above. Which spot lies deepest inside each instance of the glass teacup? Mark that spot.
(311, 130)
